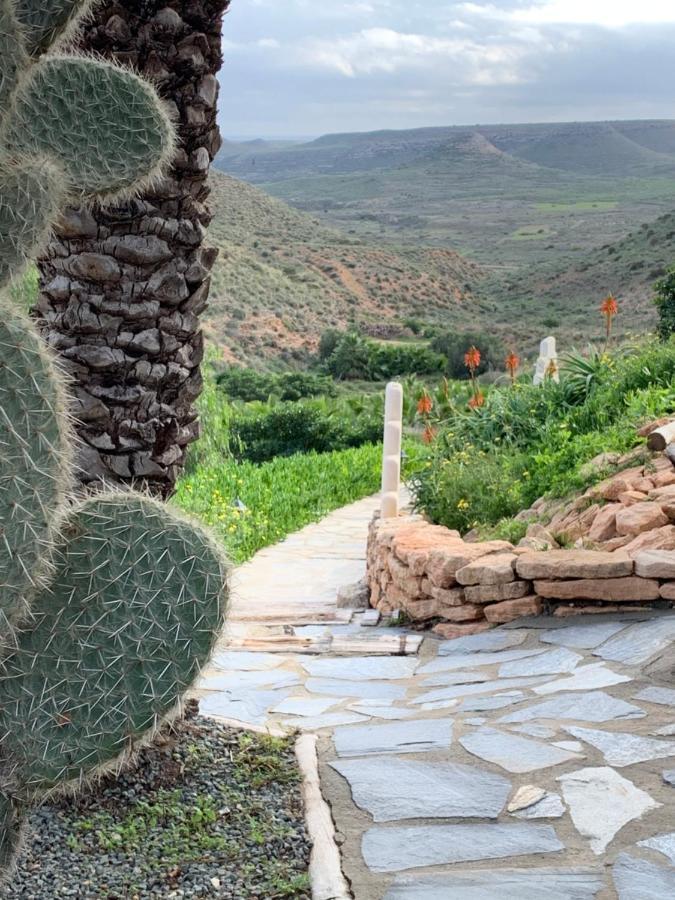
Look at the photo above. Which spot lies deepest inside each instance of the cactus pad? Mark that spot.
(34, 460)
(130, 617)
(12, 52)
(104, 125)
(31, 195)
(44, 21)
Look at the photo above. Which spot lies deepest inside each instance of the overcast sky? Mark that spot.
(308, 67)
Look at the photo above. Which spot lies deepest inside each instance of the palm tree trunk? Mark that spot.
(122, 287)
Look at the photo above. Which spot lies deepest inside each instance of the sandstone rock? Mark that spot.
(450, 631)
(668, 590)
(509, 610)
(496, 593)
(647, 429)
(400, 575)
(445, 596)
(610, 490)
(444, 563)
(630, 498)
(655, 564)
(578, 525)
(413, 544)
(616, 590)
(663, 479)
(466, 613)
(639, 518)
(616, 543)
(663, 493)
(566, 612)
(644, 485)
(497, 568)
(660, 463)
(542, 534)
(530, 543)
(659, 539)
(573, 564)
(604, 524)
(598, 463)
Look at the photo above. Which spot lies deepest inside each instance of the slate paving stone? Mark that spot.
(327, 720)
(549, 807)
(601, 802)
(621, 748)
(480, 643)
(665, 730)
(537, 731)
(418, 736)
(498, 701)
(552, 662)
(384, 712)
(450, 678)
(595, 706)
(391, 789)
(586, 678)
(357, 668)
(660, 695)
(271, 679)
(365, 690)
(464, 660)
(512, 752)
(245, 660)
(663, 843)
(572, 746)
(304, 706)
(504, 884)
(582, 637)
(638, 643)
(637, 879)
(251, 707)
(669, 777)
(468, 690)
(399, 848)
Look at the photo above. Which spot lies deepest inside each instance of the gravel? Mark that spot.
(205, 812)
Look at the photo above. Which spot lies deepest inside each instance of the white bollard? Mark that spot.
(391, 456)
(547, 364)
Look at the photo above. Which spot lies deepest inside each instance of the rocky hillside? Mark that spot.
(282, 278)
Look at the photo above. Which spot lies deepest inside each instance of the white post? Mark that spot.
(547, 364)
(391, 457)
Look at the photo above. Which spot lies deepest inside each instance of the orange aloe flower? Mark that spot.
(425, 405)
(472, 359)
(429, 435)
(512, 363)
(477, 400)
(609, 309)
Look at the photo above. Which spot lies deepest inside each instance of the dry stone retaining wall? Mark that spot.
(431, 574)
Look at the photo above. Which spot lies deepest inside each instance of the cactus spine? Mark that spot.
(109, 606)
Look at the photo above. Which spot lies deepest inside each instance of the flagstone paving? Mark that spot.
(535, 761)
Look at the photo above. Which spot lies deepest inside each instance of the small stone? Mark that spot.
(604, 524)
(601, 802)
(525, 796)
(539, 533)
(549, 807)
(573, 564)
(617, 590)
(444, 564)
(497, 568)
(510, 610)
(662, 479)
(370, 619)
(354, 596)
(444, 596)
(669, 777)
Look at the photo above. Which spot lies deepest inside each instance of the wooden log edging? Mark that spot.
(325, 868)
(661, 437)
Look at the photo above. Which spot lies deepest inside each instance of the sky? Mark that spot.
(302, 68)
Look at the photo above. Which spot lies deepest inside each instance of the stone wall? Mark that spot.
(432, 575)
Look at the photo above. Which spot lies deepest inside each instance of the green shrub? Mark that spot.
(454, 344)
(249, 385)
(354, 357)
(665, 304)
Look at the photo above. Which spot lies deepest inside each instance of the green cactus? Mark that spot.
(109, 606)
(70, 127)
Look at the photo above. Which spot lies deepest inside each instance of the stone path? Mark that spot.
(534, 762)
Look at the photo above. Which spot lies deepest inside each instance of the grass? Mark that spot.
(578, 206)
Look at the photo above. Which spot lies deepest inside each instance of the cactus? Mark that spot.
(109, 606)
(70, 127)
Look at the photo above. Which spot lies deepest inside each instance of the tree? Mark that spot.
(123, 286)
(453, 345)
(665, 304)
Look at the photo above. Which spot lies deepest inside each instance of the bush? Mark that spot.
(248, 385)
(289, 428)
(665, 304)
(453, 345)
(354, 357)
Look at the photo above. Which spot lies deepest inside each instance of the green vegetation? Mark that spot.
(354, 357)
(665, 304)
(454, 344)
(525, 442)
(248, 384)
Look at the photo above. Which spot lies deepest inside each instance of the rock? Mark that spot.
(663, 493)
(360, 668)
(604, 524)
(565, 612)
(466, 613)
(418, 736)
(444, 563)
(589, 706)
(414, 541)
(444, 596)
(660, 695)
(639, 518)
(543, 535)
(648, 427)
(525, 796)
(640, 642)
(617, 543)
(403, 578)
(668, 590)
(497, 568)
(549, 807)
(391, 789)
(655, 564)
(601, 802)
(449, 631)
(616, 590)
(496, 593)
(659, 539)
(621, 748)
(662, 479)
(637, 878)
(530, 543)
(512, 752)
(611, 489)
(573, 564)
(630, 498)
(507, 884)
(587, 678)
(598, 464)
(484, 643)
(579, 524)
(586, 636)
(668, 507)
(354, 596)
(509, 610)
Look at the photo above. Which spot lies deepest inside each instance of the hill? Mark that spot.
(282, 278)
